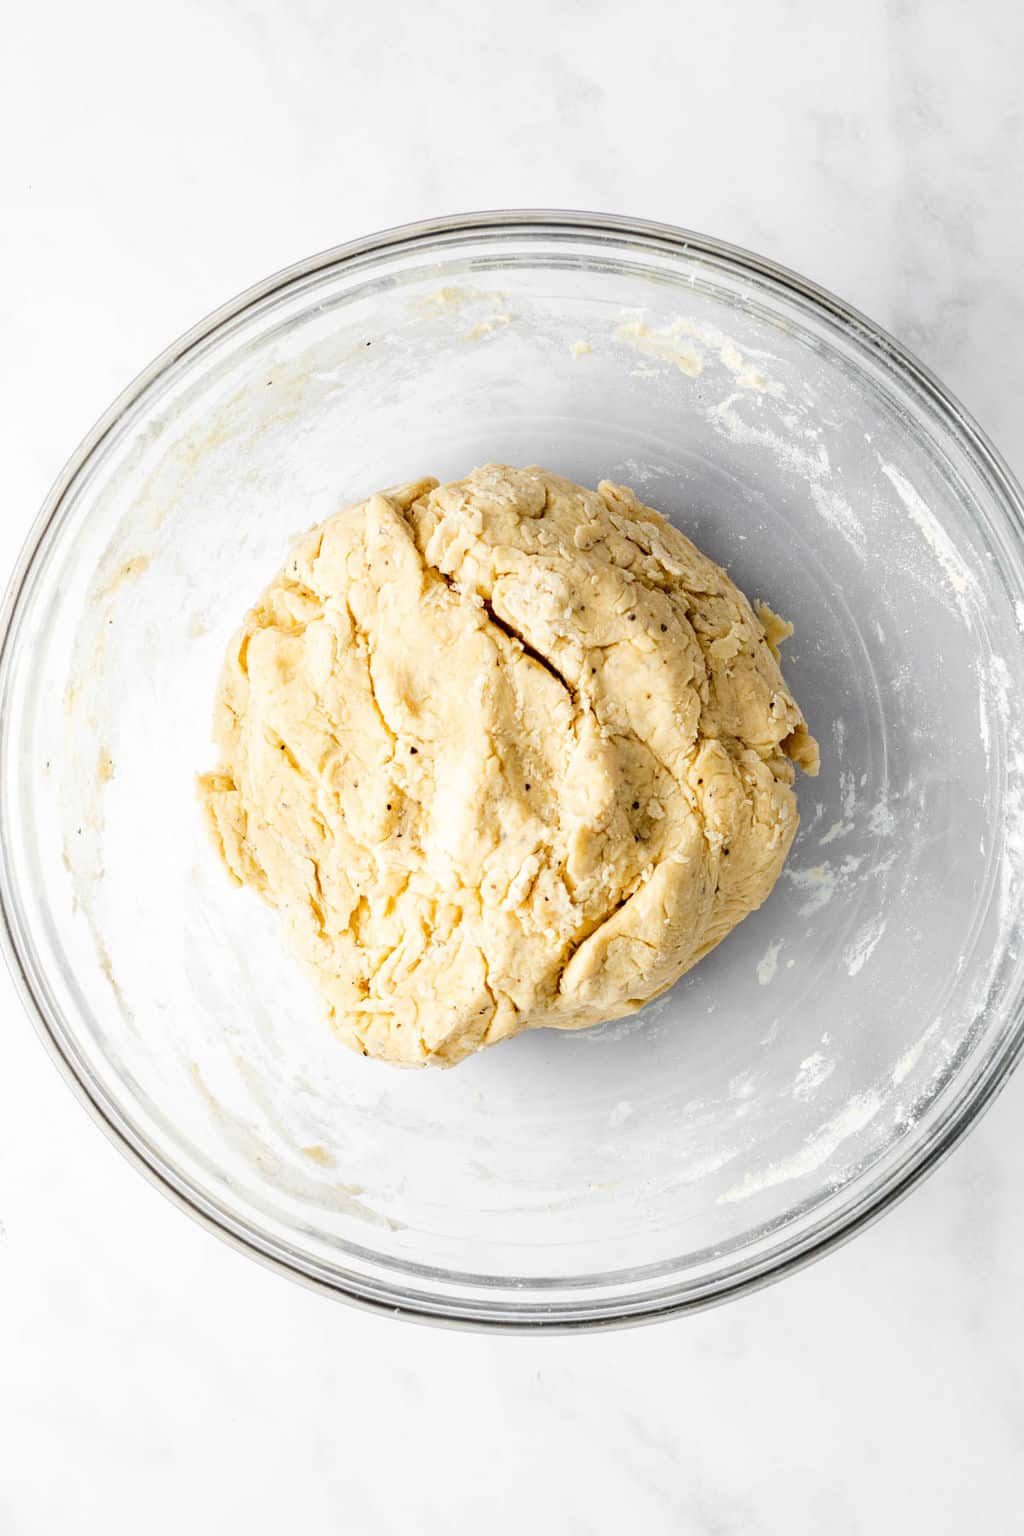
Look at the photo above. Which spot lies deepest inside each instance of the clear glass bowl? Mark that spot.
(804, 1075)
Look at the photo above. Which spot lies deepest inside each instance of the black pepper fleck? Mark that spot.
(663, 628)
(636, 805)
(413, 751)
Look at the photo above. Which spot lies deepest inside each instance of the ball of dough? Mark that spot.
(505, 753)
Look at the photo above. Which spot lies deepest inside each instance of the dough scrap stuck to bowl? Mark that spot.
(506, 753)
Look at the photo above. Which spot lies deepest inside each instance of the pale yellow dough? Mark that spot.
(505, 753)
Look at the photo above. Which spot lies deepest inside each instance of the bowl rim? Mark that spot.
(103, 1108)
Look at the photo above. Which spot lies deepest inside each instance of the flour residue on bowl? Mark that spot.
(802, 455)
(998, 706)
(910, 1058)
(331, 1194)
(854, 1117)
(847, 808)
(935, 536)
(769, 963)
(857, 954)
(813, 1071)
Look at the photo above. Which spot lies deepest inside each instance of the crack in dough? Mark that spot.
(505, 753)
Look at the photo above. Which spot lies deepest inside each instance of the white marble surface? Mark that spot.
(151, 164)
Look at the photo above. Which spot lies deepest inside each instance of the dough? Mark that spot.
(505, 753)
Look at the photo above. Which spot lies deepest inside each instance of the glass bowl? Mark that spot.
(809, 1071)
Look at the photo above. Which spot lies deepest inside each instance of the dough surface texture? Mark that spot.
(504, 753)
